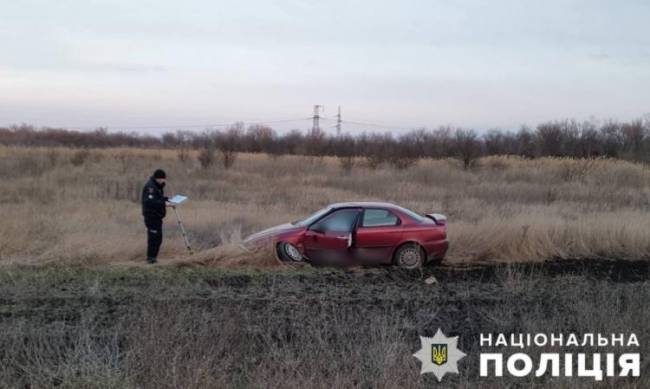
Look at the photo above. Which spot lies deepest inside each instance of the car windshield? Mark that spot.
(312, 218)
(413, 215)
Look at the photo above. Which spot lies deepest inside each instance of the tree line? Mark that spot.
(566, 138)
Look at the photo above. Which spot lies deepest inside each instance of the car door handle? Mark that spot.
(345, 237)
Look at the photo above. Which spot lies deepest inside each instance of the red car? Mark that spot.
(362, 233)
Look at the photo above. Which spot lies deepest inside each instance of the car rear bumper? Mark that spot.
(436, 250)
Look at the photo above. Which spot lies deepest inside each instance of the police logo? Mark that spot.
(439, 354)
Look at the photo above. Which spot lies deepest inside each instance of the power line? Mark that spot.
(181, 126)
(373, 125)
(277, 121)
(387, 126)
(214, 125)
(316, 119)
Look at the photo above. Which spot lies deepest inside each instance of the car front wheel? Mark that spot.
(289, 252)
(409, 256)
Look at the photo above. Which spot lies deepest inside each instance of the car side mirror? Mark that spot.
(316, 228)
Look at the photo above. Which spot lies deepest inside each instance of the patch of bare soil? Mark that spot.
(237, 255)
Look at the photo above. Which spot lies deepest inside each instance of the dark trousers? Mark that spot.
(154, 235)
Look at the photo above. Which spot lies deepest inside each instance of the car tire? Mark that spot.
(289, 252)
(409, 256)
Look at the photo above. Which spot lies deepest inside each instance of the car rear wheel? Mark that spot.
(409, 256)
(289, 252)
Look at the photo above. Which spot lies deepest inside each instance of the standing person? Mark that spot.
(154, 205)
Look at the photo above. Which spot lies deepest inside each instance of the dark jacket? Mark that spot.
(153, 200)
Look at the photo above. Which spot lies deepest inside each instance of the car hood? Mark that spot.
(272, 232)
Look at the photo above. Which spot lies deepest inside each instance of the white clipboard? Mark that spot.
(177, 199)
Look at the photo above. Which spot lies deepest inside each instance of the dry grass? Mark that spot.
(79, 327)
(231, 255)
(56, 208)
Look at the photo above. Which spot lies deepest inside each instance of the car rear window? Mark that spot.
(379, 218)
(413, 215)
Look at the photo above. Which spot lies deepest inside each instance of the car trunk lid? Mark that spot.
(438, 218)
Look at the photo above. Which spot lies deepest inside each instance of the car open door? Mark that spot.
(329, 240)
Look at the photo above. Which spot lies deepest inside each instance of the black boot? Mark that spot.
(151, 260)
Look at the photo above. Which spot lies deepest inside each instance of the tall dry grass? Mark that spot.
(59, 206)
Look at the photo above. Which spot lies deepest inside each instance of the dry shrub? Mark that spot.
(374, 161)
(28, 165)
(53, 157)
(206, 157)
(124, 159)
(497, 163)
(79, 157)
(346, 163)
(183, 154)
(403, 162)
(576, 169)
(228, 158)
(230, 255)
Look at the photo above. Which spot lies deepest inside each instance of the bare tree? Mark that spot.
(404, 152)
(467, 147)
(612, 139)
(377, 148)
(228, 144)
(259, 137)
(495, 142)
(206, 156)
(315, 142)
(590, 144)
(525, 143)
(344, 147)
(549, 138)
(634, 135)
(567, 138)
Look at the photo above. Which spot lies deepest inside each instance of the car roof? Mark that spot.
(363, 204)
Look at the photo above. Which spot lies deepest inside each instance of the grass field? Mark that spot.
(547, 245)
(76, 206)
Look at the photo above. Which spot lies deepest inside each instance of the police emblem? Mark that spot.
(439, 353)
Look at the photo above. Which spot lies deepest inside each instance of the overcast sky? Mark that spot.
(482, 64)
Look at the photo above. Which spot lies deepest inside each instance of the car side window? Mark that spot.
(339, 221)
(379, 218)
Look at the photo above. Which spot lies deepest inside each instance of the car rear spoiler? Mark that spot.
(438, 218)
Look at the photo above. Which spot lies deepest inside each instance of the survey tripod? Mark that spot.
(183, 232)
